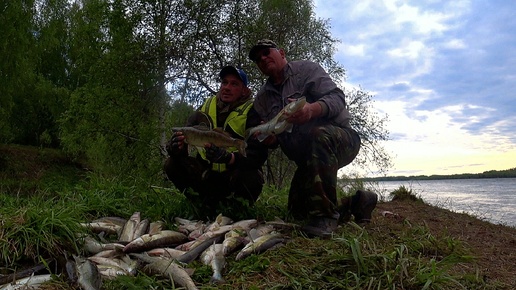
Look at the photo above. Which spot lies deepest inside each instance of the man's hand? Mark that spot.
(308, 112)
(271, 141)
(217, 154)
(176, 143)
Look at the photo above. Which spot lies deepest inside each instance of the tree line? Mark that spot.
(105, 79)
(508, 173)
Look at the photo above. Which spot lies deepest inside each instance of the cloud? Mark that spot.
(444, 72)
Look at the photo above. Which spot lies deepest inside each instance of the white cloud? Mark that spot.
(422, 22)
(455, 44)
(412, 50)
(353, 50)
(440, 70)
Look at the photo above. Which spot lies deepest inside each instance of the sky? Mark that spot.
(444, 73)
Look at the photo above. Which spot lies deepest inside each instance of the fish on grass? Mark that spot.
(88, 275)
(168, 268)
(162, 239)
(198, 136)
(214, 257)
(279, 123)
(260, 245)
(129, 228)
(31, 282)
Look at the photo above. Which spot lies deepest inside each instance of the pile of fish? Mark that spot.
(122, 247)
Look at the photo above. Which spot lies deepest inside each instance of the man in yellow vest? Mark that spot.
(220, 179)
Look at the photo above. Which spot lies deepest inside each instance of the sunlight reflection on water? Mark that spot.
(492, 199)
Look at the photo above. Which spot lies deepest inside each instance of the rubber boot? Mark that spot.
(360, 205)
(322, 227)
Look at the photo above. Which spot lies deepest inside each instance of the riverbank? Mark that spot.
(509, 173)
(492, 247)
(408, 245)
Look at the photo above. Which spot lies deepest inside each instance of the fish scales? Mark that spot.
(279, 123)
(214, 257)
(199, 137)
(168, 268)
(162, 239)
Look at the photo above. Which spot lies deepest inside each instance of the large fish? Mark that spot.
(198, 248)
(88, 275)
(99, 227)
(279, 123)
(31, 282)
(220, 220)
(110, 271)
(168, 268)
(130, 226)
(260, 245)
(197, 137)
(214, 257)
(163, 239)
(124, 263)
(232, 241)
(141, 228)
(93, 246)
(170, 253)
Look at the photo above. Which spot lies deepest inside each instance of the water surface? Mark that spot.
(491, 199)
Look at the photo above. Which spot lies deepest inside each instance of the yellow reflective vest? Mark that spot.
(236, 120)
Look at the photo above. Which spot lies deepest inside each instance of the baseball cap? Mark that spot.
(263, 43)
(233, 71)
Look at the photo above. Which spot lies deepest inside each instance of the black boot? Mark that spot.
(360, 205)
(321, 227)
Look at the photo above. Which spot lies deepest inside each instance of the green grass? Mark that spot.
(42, 221)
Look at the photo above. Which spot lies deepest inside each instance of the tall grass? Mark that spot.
(46, 222)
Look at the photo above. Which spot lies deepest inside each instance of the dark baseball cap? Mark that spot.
(231, 70)
(263, 43)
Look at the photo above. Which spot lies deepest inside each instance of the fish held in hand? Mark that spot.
(279, 123)
(197, 137)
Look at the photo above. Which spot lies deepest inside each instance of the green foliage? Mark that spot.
(37, 226)
(403, 193)
(278, 169)
(105, 80)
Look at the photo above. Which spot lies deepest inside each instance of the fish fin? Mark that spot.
(202, 127)
(241, 147)
(289, 127)
(221, 131)
(262, 137)
(189, 271)
(247, 134)
(218, 219)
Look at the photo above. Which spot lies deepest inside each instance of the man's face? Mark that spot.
(231, 89)
(270, 60)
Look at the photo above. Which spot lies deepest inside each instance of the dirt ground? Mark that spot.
(493, 246)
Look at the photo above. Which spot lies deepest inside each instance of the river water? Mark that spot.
(490, 199)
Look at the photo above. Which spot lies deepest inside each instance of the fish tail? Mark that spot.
(241, 147)
(247, 134)
(217, 278)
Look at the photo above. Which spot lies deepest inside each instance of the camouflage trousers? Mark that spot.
(319, 154)
(209, 191)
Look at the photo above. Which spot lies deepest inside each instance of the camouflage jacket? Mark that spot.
(309, 79)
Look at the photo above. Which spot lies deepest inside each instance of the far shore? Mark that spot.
(509, 173)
